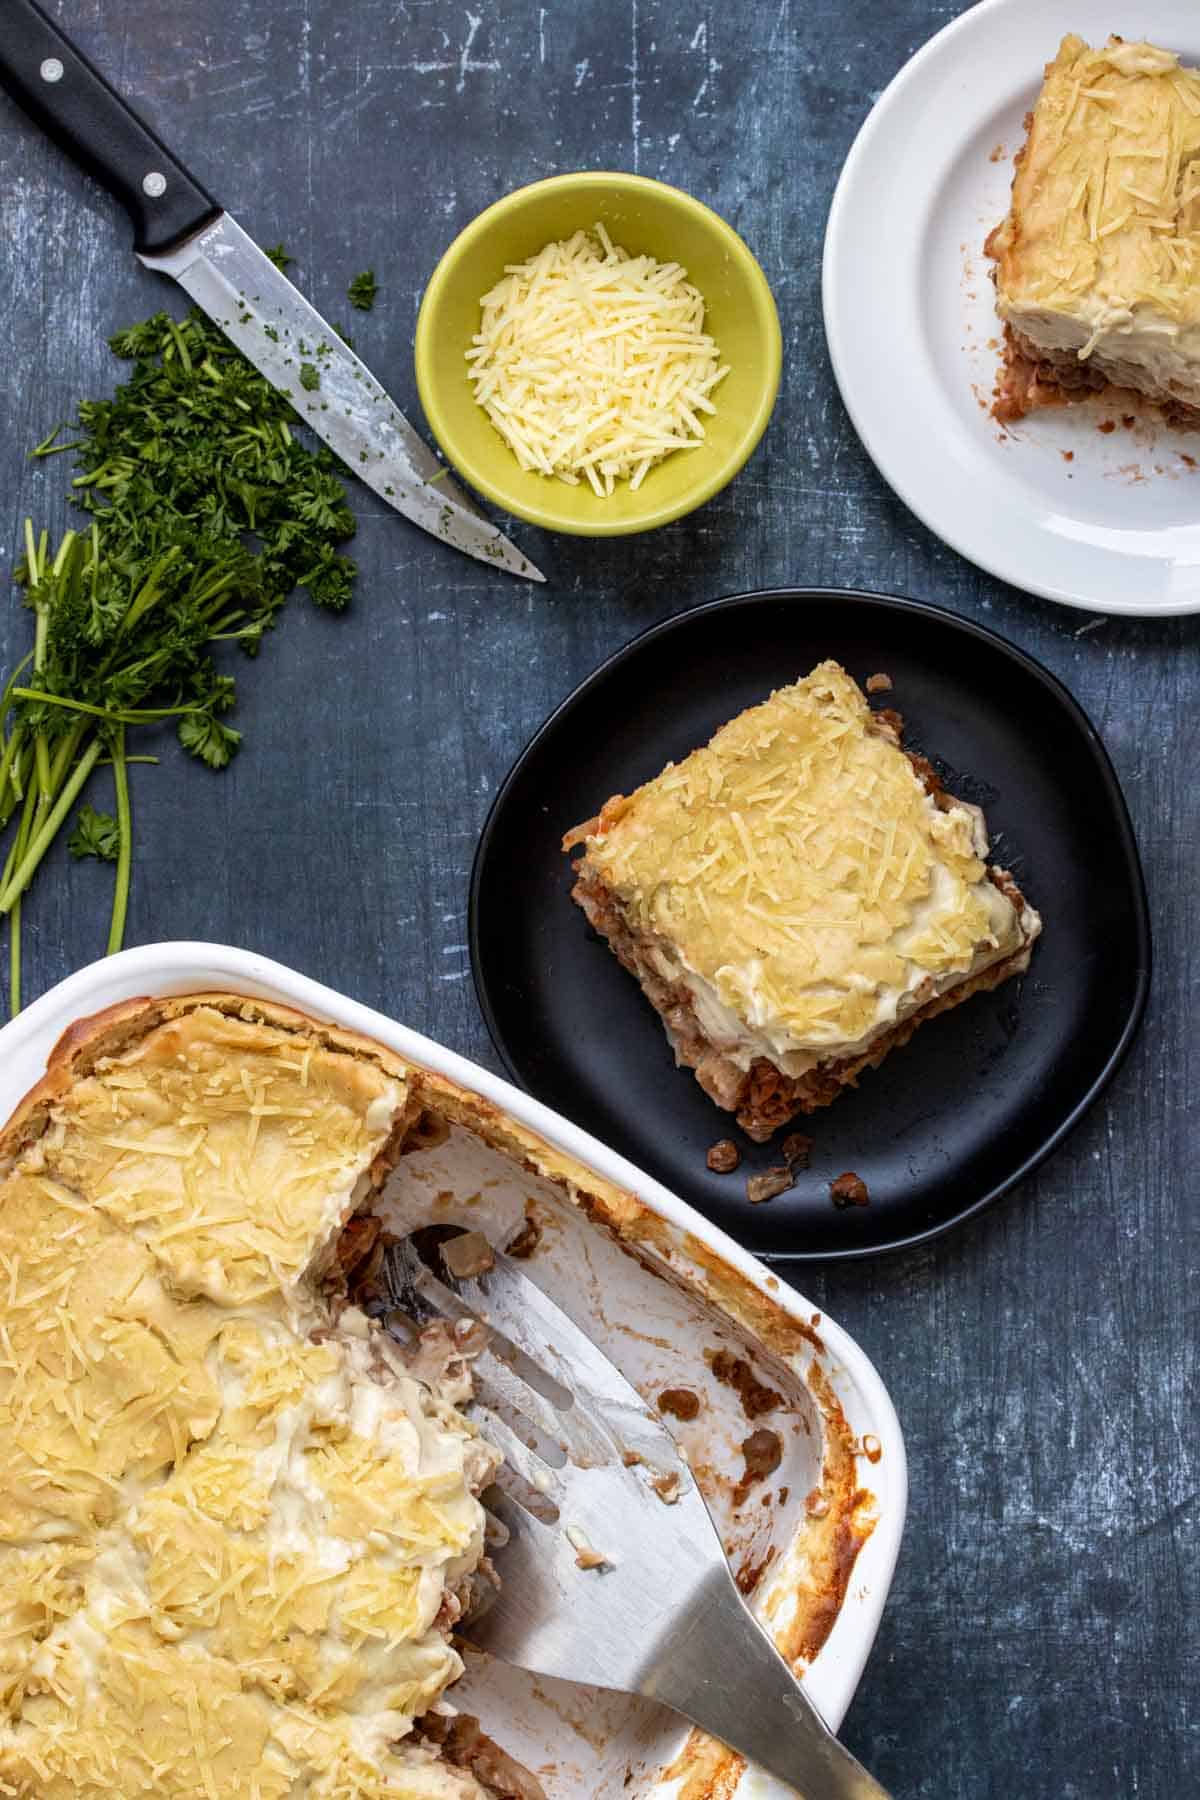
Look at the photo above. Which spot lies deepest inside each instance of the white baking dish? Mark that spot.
(656, 1286)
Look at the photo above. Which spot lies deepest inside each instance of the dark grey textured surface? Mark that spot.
(1042, 1636)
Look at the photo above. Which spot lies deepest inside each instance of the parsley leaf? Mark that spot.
(362, 290)
(203, 511)
(204, 736)
(310, 377)
(279, 256)
(95, 834)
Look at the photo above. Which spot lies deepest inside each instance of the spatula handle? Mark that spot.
(72, 102)
(722, 1671)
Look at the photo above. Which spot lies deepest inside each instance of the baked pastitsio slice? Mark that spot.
(234, 1528)
(797, 897)
(1098, 260)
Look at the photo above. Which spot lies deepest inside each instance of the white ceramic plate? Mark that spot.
(599, 1746)
(1110, 522)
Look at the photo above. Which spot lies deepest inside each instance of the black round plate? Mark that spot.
(981, 1094)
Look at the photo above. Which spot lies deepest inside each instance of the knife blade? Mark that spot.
(181, 231)
(273, 325)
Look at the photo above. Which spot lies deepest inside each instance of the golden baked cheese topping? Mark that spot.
(229, 1149)
(798, 877)
(227, 1551)
(1100, 252)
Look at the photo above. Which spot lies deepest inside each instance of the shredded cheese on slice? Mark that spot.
(593, 364)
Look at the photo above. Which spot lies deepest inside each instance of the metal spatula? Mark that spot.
(612, 1573)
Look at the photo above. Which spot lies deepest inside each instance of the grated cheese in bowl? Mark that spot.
(594, 364)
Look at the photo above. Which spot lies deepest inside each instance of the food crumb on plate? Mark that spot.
(723, 1157)
(849, 1190)
(797, 1148)
(769, 1185)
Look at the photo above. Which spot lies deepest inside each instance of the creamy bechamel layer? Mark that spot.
(1100, 252)
(228, 1549)
(798, 879)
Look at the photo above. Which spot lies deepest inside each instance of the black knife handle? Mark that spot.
(72, 102)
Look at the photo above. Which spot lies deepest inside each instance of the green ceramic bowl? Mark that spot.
(645, 218)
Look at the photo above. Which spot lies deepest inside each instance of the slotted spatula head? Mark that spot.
(608, 1532)
(612, 1573)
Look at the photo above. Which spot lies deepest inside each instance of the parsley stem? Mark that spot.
(14, 960)
(16, 781)
(127, 716)
(7, 765)
(47, 447)
(41, 755)
(64, 550)
(65, 755)
(149, 592)
(6, 698)
(116, 930)
(14, 918)
(41, 750)
(15, 886)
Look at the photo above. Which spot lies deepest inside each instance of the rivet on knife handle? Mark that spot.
(72, 102)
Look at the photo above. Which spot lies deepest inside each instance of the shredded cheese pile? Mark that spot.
(594, 364)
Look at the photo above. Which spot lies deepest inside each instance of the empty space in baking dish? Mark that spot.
(664, 1335)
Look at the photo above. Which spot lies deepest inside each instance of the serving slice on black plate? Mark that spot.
(982, 1093)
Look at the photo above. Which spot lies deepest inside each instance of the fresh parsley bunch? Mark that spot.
(206, 512)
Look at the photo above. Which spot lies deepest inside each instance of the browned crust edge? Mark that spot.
(1031, 379)
(632, 1224)
(766, 1098)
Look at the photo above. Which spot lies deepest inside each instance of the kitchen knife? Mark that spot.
(180, 230)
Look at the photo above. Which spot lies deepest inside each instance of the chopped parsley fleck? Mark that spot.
(362, 290)
(310, 376)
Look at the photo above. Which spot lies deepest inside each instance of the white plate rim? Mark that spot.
(836, 255)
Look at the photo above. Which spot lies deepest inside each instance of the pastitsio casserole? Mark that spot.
(797, 897)
(461, 1149)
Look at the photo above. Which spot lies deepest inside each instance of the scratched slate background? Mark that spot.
(1042, 1637)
